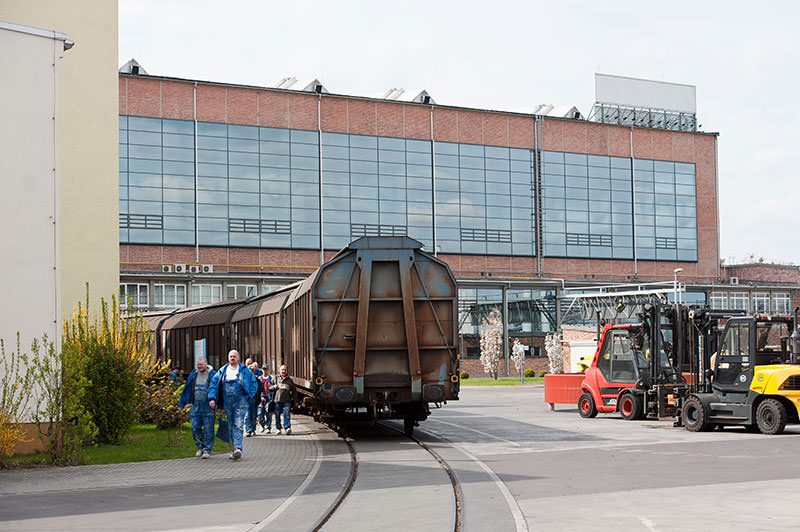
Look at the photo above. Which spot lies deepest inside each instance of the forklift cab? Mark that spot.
(625, 357)
(618, 361)
(748, 342)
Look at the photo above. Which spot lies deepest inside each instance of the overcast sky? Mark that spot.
(742, 57)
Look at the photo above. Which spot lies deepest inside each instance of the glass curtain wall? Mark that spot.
(375, 186)
(665, 210)
(484, 199)
(531, 316)
(586, 206)
(259, 187)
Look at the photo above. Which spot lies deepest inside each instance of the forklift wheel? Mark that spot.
(630, 406)
(695, 417)
(771, 416)
(586, 406)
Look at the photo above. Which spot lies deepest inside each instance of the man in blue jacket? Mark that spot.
(201, 414)
(231, 387)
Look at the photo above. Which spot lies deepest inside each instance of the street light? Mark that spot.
(675, 273)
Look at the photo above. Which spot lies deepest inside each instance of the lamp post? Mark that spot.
(675, 273)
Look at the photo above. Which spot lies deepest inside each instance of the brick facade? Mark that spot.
(172, 98)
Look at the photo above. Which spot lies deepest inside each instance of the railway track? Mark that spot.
(346, 494)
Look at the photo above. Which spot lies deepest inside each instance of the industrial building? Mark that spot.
(228, 191)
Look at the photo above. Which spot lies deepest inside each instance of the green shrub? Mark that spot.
(529, 373)
(464, 375)
(160, 406)
(543, 373)
(114, 392)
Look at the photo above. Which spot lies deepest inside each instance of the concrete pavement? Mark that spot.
(189, 493)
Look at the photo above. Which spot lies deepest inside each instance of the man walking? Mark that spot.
(201, 413)
(285, 395)
(232, 386)
(267, 407)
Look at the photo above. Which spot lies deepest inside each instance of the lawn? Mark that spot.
(501, 381)
(143, 444)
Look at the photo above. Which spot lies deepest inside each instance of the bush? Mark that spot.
(61, 386)
(464, 375)
(160, 406)
(113, 394)
(543, 373)
(529, 373)
(15, 389)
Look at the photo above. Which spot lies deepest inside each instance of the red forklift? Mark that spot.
(636, 369)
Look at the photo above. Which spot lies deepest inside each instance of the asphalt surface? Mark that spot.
(519, 467)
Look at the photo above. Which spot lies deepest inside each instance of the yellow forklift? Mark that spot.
(749, 374)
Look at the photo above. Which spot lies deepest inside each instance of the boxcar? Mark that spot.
(370, 334)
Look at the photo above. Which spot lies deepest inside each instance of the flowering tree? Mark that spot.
(555, 352)
(492, 343)
(518, 354)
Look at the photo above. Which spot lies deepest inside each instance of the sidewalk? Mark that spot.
(184, 494)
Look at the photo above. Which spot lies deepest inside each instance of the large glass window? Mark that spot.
(240, 291)
(586, 206)
(203, 294)
(598, 207)
(781, 303)
(260, 187)
(760, 302)
(133, 296)
(719, 300)
(169, 295)
(739, 301)
(474, 305)
(531, 316)
(375, 186)
(484, 199)
(665, 210)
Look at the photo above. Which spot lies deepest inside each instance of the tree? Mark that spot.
(555, 352)
(492, 343)
(518, 354)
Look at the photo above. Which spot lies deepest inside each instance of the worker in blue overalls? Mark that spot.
(195, 393)
(232, 386)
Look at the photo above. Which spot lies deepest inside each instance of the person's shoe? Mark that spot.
(231, 457)
(278, 431)
(263, 430)
(237, 454)
(268, 431)
(199, 452)
(248, 434)
(205, 455)
(288, 431)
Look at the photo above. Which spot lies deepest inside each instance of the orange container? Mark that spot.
(562, 388)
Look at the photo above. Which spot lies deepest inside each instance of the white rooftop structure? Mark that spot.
(132, 67)
(403, 95)
(291, 83)
(559, 111)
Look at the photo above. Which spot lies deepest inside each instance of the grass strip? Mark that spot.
(501, 381)
(145, 443)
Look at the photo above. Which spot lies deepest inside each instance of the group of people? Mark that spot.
(245, 393)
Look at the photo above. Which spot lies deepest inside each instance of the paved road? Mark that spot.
(570, 473)
(519, 465)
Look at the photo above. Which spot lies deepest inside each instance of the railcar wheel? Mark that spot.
(695, 417)
(630, 406)
(771, 417)
(586, 406)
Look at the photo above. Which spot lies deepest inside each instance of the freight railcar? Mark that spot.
(370, 334)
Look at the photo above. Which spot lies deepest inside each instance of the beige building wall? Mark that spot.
(88, 135)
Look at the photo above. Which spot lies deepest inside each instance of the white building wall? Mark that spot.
(29, 169)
